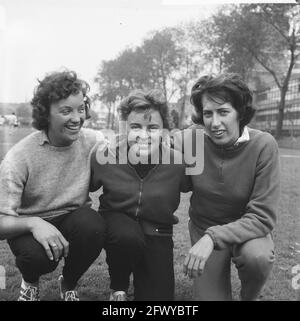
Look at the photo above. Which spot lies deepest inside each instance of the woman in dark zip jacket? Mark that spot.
(142, 178)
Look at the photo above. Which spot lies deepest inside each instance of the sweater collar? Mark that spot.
(243, 138)
(43, 138)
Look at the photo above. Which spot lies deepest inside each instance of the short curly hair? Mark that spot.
(141, 101)
(54, 87)
(227, 87)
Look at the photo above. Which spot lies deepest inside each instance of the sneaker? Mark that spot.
(67, 295)
(28, 292)
(118, 296)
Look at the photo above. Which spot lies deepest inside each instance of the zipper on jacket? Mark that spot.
(141, 187)
(139, 200)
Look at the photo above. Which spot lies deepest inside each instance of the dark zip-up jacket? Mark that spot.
(154, 198)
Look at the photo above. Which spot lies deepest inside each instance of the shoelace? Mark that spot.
(119, 297)
(71, 296)
(29, 294)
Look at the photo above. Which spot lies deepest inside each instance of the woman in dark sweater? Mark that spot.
(142, 178)
(235, 199)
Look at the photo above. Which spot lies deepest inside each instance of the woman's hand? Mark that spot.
(196, 259)
(50, 238)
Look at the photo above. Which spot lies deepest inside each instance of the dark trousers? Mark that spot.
(148, 257)
(84, 229)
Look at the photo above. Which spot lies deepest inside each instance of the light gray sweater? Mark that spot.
(37, 179)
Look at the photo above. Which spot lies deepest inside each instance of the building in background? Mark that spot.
(267, 101)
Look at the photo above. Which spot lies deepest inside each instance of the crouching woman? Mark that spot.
(142, 178)
(234, 203)
(45, 212)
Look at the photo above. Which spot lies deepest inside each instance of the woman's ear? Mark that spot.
(241, 115)
(87, 112)
(87, 104)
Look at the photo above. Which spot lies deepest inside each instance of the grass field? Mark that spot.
(95, 283)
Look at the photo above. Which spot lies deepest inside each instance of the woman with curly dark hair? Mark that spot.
(54, 87)
(234, 202)
(45, 212)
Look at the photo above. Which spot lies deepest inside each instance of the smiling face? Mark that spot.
(66, 118)
(221, 121)
(144, 132)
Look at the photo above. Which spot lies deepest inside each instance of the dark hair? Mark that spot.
(227, 88)
(142, 101)
(54, 87)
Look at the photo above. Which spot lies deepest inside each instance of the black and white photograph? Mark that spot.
(149, 151)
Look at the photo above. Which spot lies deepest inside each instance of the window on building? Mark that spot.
(262, 96)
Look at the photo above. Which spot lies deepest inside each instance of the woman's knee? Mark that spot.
(35, 261)
(88, 225)
(129, 239)
(95, 229)
(257, 263)
(31, 257)
(124, 232)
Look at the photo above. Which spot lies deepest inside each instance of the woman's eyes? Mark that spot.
(220, 112)
(135, 127)
(224, 112)
(207, 115)
(151, 129)
(66, 112)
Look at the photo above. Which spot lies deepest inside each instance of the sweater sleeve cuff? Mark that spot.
(213, 237)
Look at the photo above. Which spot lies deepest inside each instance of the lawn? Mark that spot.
(95, 283)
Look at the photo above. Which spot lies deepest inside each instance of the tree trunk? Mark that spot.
(280, 119)
(165, 88)
(164, 80)
(182, 112)
(283, 92)
(108, 116)
(281, 106)
(113, 117)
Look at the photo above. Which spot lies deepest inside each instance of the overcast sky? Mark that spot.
(41, 36)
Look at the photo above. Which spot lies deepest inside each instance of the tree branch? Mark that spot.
(297, 56)
(271, 71)
(273, 24)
